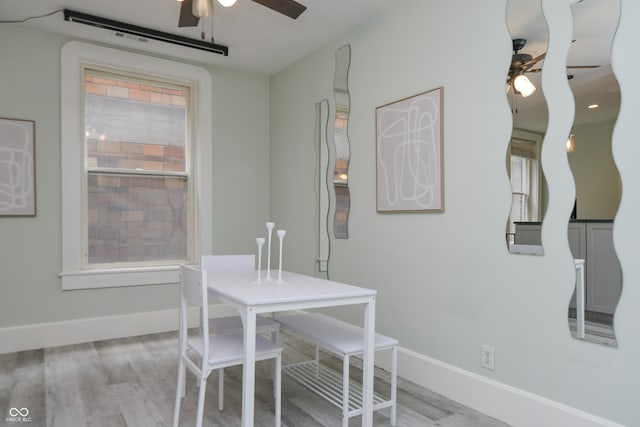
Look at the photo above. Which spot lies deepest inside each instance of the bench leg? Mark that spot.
(394, 383)
(317, 360)
(275, 337)
(220, 389)
(277, 388)
(345, 390)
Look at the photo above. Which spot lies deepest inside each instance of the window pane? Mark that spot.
(134, 125)
(519, 211)
(137, 218)
(519, 172)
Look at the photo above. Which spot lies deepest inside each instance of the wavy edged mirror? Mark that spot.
(341, 141)
(529, 194)
(597, 181)
(321, 146)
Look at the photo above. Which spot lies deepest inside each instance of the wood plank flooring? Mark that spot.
(132, 381)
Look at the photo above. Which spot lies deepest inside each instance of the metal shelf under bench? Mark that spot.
(344, 340)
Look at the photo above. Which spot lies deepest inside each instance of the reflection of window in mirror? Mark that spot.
(523, 166)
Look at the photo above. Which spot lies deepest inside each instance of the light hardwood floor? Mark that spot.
(132, 381)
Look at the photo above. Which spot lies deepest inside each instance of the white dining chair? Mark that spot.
(233, 324)
(204, 353)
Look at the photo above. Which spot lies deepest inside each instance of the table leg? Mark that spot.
(580, 302)
(367, 362)
(249, 368)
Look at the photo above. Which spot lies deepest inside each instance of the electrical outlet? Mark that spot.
(487, 358)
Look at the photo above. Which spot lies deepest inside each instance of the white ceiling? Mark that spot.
(265, 41)
(258, 38)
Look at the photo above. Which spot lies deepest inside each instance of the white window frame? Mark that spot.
(75, 55)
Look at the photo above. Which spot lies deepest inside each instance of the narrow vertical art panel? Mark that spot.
(17, 168)
(409, 150)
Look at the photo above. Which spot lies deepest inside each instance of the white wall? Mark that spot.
(446, 282)
(30, 259)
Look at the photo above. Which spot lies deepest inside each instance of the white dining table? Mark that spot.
(295, 292)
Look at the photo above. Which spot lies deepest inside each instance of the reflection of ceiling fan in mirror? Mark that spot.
(521, 64)
(192, 10)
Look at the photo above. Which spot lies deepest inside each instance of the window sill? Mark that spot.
(118, 277)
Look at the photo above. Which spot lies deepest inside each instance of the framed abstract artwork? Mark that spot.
(409, 154)
(17, 167)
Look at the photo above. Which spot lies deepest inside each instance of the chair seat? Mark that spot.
(332, 334)
(230, 348)
(233, 325)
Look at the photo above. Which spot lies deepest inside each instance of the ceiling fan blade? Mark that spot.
(583, 66)
(289, 8)
(534, 61)
(187, 19)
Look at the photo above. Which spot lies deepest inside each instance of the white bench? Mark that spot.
(344, 340)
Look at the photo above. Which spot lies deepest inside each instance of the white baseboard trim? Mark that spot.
(43, 335)
(506, 403)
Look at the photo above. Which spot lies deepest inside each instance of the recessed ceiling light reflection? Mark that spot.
(592, 106)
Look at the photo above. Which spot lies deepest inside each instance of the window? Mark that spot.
(524, 173)
(133, 140)
(137, 164)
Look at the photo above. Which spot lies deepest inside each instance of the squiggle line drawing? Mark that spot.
(16, 183)
(409, 155)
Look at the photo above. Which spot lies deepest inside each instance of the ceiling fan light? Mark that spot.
(523, 85)
(227, 3)
(571, 143)
(202, 8)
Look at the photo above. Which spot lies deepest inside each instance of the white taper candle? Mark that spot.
(260, 242)
(281, 234)
(270, 226)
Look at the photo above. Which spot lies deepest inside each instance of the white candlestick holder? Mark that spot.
(270, 226)
(281, 234)
(260, 242)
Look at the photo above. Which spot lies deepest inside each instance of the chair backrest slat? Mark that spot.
(228, 262)
(192, 285)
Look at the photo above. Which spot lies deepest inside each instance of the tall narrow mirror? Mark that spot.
(598, 186)
(529, 194)
(322, 189)
(341, 141)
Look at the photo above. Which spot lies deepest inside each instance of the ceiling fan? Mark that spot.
(522, 63)
(190, 15)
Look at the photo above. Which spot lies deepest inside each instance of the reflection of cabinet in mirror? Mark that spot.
(528, 233)
(593, 242)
